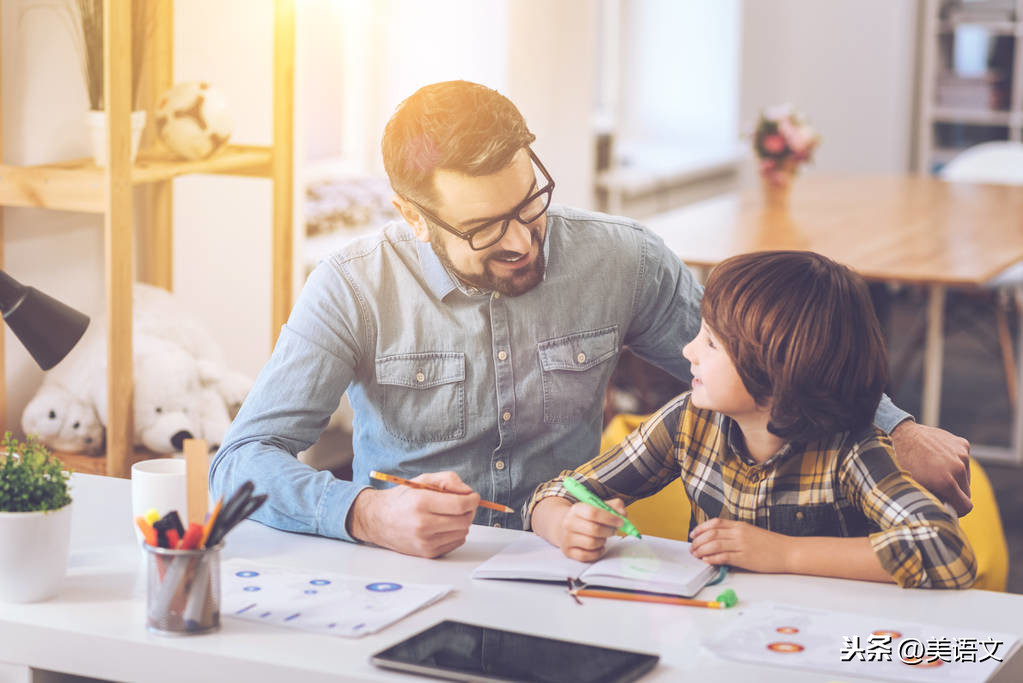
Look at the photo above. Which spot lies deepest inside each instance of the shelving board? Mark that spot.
(78, 184)
(989, 117)
(97, 464)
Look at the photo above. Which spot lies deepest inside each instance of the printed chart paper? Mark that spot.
(324, 602)
(872, 647)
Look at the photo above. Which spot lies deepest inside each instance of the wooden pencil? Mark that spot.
(642, 597)
(416, 485)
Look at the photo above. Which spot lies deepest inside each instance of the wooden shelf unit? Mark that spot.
(79, 185)
(963, 126)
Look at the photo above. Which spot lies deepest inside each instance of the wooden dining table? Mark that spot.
(908, 229)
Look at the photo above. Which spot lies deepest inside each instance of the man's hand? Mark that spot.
(415, 521)
(740, 544)
(938, 460)
(580, 530)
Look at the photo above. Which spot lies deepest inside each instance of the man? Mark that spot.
(475, 340)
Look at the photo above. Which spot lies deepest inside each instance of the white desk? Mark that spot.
(96, 624)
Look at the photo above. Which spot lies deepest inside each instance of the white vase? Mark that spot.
(33, 553)
(97, 122)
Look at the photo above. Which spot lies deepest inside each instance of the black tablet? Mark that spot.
(466, 652)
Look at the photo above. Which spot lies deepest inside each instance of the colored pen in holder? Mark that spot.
(183, 590)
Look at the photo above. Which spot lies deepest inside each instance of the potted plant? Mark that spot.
(35, 521)
(85, 20)
(782, 141)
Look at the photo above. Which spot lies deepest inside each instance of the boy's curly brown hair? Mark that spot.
(803, 335)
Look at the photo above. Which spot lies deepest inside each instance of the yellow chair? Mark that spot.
(667, 513)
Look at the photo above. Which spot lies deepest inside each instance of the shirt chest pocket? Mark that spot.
(575, 369)
(421, 396)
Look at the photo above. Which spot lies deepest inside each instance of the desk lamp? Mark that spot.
(45, 326)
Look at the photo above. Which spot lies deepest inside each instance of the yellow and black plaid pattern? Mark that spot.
(847, 485)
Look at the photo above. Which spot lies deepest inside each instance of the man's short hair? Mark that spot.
(802, 332)
(454, 125)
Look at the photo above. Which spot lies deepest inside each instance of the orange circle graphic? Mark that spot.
(922, 663)
(883, 632)
(785, 648)
(787, 629)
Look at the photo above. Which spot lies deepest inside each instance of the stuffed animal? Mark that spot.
(63, 421)
(182, 389)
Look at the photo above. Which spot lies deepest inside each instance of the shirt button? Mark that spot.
(499, 464)
(420, 377)
(497, 525)
(799, 514)
(581, 357)
(497, 295)
(506, 416)
(501, 355)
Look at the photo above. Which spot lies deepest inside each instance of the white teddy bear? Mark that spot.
(62, 420)
(182, 389)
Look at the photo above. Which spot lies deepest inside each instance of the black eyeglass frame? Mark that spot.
(507, 218)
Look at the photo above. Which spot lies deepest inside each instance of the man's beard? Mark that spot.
(511, 285)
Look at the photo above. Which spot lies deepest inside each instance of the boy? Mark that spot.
(774, 443)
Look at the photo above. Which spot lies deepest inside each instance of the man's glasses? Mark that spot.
(489, 234)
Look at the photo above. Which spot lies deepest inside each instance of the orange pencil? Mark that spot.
(208, 527)
(148, 532)
(416, 485)
(723, 601)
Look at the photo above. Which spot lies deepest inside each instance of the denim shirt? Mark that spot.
(505, 391)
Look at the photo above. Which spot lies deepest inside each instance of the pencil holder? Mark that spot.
(183, 590)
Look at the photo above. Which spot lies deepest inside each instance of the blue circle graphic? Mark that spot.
(320, 582)
(383, 587)
(251, 589)
(310, 591)
(246, 574)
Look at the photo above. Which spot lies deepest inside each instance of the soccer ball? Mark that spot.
(192, 120)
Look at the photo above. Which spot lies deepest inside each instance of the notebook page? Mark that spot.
(530, 557)
(652, 564)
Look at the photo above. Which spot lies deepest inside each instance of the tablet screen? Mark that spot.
(459, 651)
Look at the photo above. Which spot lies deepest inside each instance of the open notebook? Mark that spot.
(655, 565)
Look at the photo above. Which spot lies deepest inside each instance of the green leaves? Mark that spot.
(30, 478)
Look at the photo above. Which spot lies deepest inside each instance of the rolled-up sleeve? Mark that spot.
(919, 543)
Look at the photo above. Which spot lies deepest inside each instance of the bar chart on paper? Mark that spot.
(329, 603)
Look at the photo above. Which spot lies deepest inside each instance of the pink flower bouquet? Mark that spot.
(782, 141)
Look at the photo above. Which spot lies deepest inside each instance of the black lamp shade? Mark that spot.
(45, 326)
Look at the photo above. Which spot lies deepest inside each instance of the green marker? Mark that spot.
(587, 496)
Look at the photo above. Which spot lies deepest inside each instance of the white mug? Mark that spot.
(158, 484)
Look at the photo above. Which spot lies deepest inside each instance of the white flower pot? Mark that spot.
(33, 553)
(97, 122)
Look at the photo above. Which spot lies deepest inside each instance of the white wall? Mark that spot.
(551, 51)
(847, 64)
(679, 73)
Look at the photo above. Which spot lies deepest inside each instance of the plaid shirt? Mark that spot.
(847, 485)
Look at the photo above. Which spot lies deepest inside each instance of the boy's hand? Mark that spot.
(416, 521)
(580, 530)
(740, 544)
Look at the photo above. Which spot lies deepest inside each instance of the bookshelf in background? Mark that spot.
(971, 77)
(79, 185)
